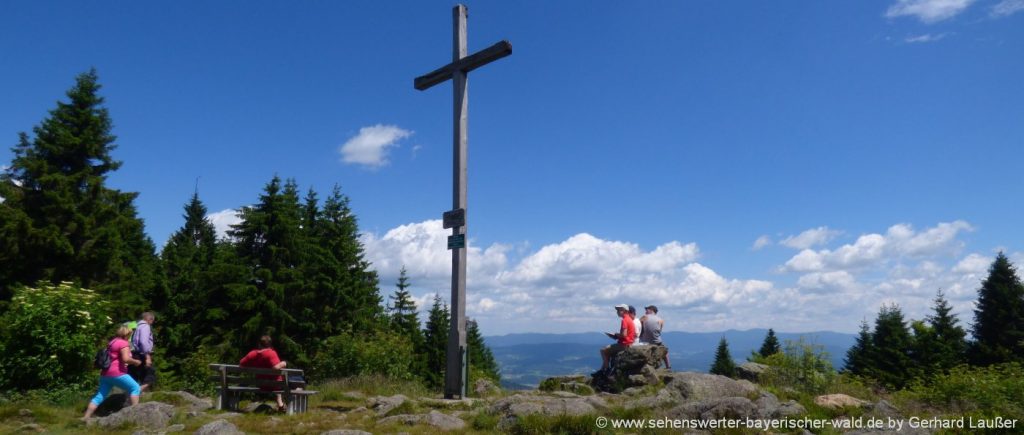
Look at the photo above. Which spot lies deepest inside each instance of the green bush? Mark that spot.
(802, 366)
(49, 337)
(378, 353)
(986, 391)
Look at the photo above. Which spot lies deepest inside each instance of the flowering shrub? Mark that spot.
(49, 335)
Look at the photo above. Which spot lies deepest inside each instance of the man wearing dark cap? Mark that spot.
(652, 325)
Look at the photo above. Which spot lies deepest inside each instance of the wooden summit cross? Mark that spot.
(455, 370)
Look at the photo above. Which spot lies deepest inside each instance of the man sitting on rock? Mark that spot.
(652, 330)
(623, 339)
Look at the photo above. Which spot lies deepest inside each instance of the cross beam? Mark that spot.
(457, 71)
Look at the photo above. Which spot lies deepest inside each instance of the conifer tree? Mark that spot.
(770, 346)
(723, 365)
(999, 316)
(436, 342)
(891, 361)
(860, 356)
(269, 244)
(403, 312)
(187, 259)
(481, 359)
(60, 220)
(353, 295)
(949, 343)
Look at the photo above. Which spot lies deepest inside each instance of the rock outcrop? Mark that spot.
(703, 386)
(751, 371)
(633, 367)
(836, 401)
(383, 405)
(149, 415)
(436, 419)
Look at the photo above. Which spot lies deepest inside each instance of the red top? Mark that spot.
(264, 359)
(630, 327)
(117, 367)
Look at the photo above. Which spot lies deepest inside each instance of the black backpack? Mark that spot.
(102, 359)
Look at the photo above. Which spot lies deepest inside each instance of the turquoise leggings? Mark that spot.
(123, 382)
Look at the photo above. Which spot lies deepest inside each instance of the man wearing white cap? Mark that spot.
(625, 337)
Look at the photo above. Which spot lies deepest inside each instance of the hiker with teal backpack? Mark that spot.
(113, 362)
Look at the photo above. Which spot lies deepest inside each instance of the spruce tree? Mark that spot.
(60, 220)
(269, 244)
(436, 342)
(860, 356)
(481, 359)
(891, 360)
(403, 312)
(950, 345)
(770, 346)
(723, 365)
(999, 316)
(353, 295)
(187, 259)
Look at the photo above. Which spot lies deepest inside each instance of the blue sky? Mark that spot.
(624, 152)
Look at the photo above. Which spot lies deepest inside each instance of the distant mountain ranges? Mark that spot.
(526, 359)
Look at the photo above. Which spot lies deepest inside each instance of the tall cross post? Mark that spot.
(457, 71)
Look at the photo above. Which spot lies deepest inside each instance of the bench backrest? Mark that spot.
(229, 374)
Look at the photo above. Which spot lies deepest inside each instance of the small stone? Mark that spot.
(219, 427)
(383, 405)
(836, 401)
(174, 428)
(25, 412)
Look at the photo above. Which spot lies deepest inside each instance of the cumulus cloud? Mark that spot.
(1007, 8)
(927, 37)
(370, 147)
(810, 238)
(928, 11)
(572, 284)
(761, 243)
(223, 220)
(900, 240)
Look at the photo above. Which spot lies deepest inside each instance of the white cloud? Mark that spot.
(810, 238)
(571, 285)
(370, 146)
(222, 221)
(927, 37)
(900, 240)
(761, 243)
(974, 264)
(1007, 8)
(928, 11)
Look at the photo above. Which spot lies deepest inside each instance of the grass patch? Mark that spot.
(372, 385)
(485, 421)
(536, 424)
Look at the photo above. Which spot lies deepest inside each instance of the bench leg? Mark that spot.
(219, 403)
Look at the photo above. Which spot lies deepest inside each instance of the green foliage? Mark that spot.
(436, 342)
(802, 366)
(989, 391)
(999, 316)
(859, 356)
(770, 346)
(50, 335)
(946, 341)
(481, 359)
(724, 364)
(61, 222)
(403, 312)
(188, 258)
(378, 353)
(891, 363)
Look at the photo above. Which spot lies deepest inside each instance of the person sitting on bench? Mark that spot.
(265, 357)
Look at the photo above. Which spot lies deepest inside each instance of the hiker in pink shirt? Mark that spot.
(117, 374)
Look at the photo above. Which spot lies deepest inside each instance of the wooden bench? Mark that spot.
(233, 381)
